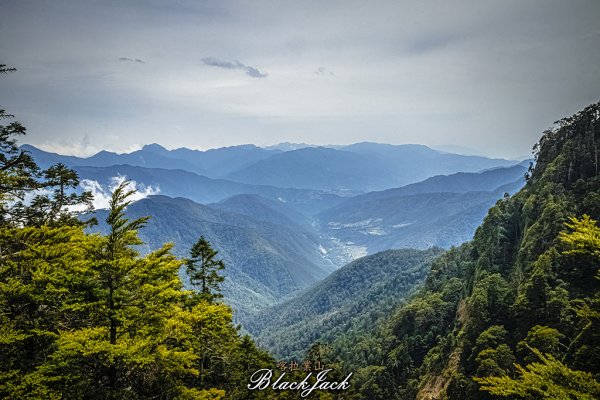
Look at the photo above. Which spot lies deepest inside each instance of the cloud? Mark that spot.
(102, 193)
(482, 73)
(249, 70)
(324, 71)
(136, 60)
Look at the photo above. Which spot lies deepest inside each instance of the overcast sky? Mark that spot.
(488, 76)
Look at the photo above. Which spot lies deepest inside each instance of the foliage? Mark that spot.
(87, 316)
(548, 379)
(522, 290)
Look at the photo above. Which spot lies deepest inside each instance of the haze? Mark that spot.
(483, 77)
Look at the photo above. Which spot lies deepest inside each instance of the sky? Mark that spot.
(482, 77)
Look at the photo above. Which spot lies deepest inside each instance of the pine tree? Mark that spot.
(44, 278)
(62, 206)
(203, 270)
(18, 171)
(131, 338)
(86, 316)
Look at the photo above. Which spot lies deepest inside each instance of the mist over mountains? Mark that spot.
(286, 216)
(360, 167)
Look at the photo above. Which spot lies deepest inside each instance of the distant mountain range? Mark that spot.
(180, 183)
(441, 211)
(352, 169)
(285, 217)
(360, 167)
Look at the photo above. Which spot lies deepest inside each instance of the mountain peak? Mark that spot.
(154, 148)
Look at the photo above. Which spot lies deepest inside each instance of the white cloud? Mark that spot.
(102, 193)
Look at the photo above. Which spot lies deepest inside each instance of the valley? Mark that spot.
(409, 288)
(283, 221)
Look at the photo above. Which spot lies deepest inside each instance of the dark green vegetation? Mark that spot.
(85, 316)
(354, 299)
(513, 313)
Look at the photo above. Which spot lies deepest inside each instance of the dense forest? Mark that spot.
(86, 316)
(346, 309)
(514, 313)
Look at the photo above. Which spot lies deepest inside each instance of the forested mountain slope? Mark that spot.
(267, 210)
(265, 261)
(345, 306)
(524, 290)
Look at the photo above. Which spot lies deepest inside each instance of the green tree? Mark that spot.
(582, 238)
(19, 174)
(545, 339)
(86, 316)
(203, 270)
(44, 280)
(18, 171)
(581, 242)
(62, 206)
(548, 379)
(134, 339)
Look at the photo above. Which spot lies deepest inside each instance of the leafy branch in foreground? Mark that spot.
(548, 379)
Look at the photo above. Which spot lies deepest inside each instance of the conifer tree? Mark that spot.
(135, 344)
(203, 270)
(18, 171)
(86, 316)
(60, 207)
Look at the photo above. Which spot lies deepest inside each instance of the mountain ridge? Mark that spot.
(349, 169)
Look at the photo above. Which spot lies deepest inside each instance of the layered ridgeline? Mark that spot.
(272, 250)
(267, 235)
(344, 170)
(514, 312)
(180, 183)
(360, 167)
(440, 211)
